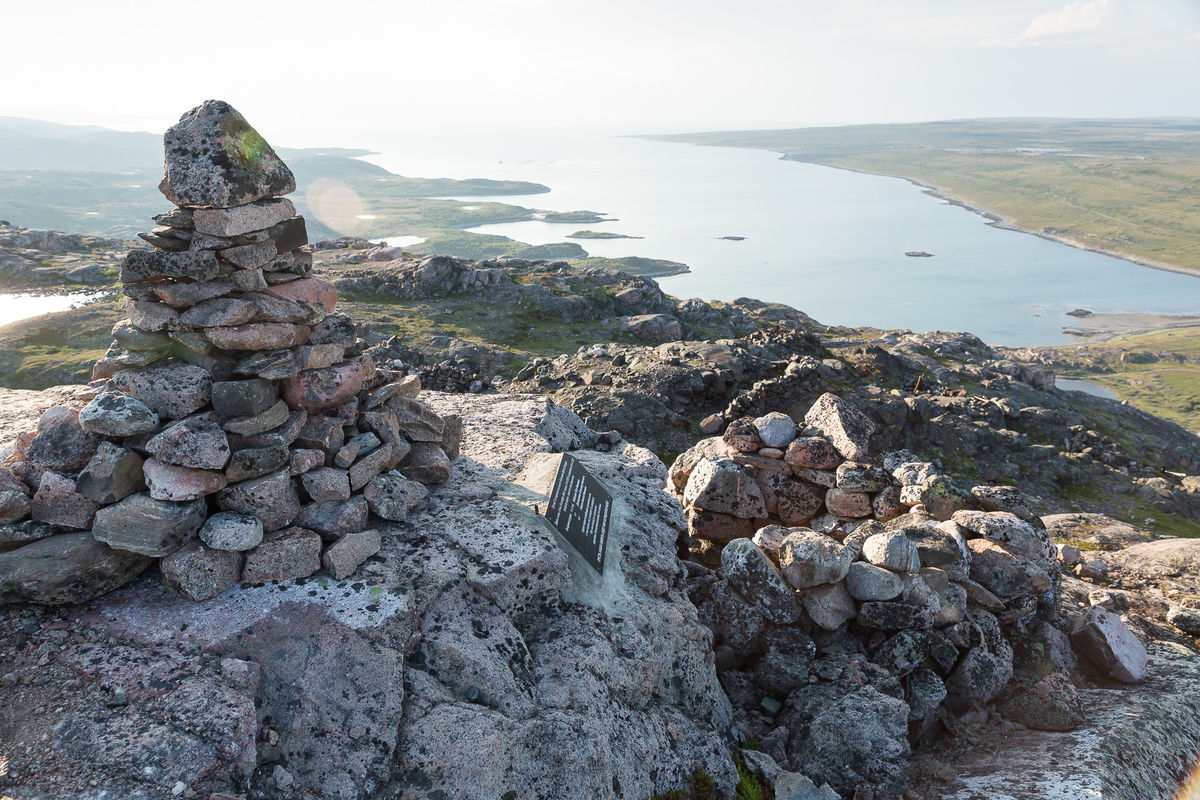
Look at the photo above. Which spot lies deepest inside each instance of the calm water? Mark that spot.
(14, 307)
(827, 241)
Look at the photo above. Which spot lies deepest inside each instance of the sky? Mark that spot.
(320, 73)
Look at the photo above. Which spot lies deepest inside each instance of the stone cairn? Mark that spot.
(239, 433)
(830, 565)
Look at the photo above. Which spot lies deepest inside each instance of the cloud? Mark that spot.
(1078, 17)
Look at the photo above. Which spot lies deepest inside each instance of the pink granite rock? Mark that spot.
(258, 336)
(315, 292)
(56, 502)
(318, 389)
(169, 482)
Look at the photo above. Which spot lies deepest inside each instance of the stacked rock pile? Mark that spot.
(883, 599)
(239, 432)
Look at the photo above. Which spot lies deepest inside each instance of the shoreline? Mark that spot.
(1003, 223)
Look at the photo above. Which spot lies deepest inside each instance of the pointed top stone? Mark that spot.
(214, 158)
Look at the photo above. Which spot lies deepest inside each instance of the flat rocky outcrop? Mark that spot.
(462, 661)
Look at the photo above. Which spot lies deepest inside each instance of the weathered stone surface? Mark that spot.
(426, 463)
(272, 498)
(868, 582)
(319, 389)
(795, 786)
(1051, 704)
(302, 460)
(417, 422)
(841, 503)
(56, 502)
(214, 158)
(237, 219)
(855, 477)
(812, 452)
(198, 442)
(345, 555)
(392, 496)
(896, 615)
(1006, 574)
(386, 427)
(112, 474)
(369, 465)
(234, 531)
(892, 550)
(219, 311)
(808, 558)
(313, 292)
(15, 503)
(718, 484)
(877, 752)
(153, 317)
(250, 256)
(775, 429)
(199, 572)
(283, 555)
(179, 294)
(254, 462)
(1185, 619)
(61, 444)
(118, 415)
(718, 528)
(752, 575)
(141, 265)
(272, 365)
(270, 419)
(1104, 640)
(326, 484)
(335, 518)
(942, 497)
(847, 428)
(258, 336)
(63, 569)
(171, 391)
(141, 524)
(797, 502)
(170, 482)
(1014, 533)
(829, 606)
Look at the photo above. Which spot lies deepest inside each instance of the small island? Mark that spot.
(574, 216)
(600, 235)
(918, 254)
(733, 238)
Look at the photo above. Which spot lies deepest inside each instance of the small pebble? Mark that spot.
(10, 679)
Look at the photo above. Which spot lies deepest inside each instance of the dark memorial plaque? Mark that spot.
(581, 509)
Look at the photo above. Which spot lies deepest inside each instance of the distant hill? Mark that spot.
(93, 180)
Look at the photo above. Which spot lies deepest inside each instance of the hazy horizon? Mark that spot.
(307, 75)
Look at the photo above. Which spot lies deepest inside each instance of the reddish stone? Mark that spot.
(813, 452)
(318, 389)
(57, 503)
(315, 292)
(168, 482)
(258, 336)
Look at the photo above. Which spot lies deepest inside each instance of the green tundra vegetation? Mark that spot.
(1127, 187)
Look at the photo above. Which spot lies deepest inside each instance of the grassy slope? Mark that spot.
(1125, 186)
(1160, 373)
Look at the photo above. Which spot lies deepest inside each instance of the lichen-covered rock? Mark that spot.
(283, 555)
(228, 530)
(1051, 704)
(808, 558)
(214, 158)
(61, 444)
(345, 555)
(272, 498)
(57, 502)
(392, 496)
(868, 582)
(847, 428)
(64, 569)
(171, 391)
(113, 414)
(200, 572)
(198, 442)
(720, 485)
(892, 550)
(752, 575)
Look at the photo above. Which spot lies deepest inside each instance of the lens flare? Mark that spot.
(338, 206)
